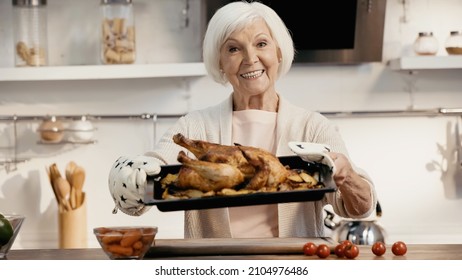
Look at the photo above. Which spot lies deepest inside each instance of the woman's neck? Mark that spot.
(262, 102)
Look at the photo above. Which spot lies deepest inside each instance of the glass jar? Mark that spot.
(30, 32)
(118, 32)
(51, 130)
(454, 42)
(425, 44)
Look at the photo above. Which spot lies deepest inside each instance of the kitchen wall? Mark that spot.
(412, 160)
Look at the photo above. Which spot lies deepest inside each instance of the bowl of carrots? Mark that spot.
(131, 242)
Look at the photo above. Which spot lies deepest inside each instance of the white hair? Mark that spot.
(234, 16)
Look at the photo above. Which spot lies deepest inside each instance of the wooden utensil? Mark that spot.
(63, 188)
(70, 167)
(51, 183)
(78, 178)
(51, 176)
(73, 198)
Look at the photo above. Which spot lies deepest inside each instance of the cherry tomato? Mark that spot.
(347, 242)
(339, 250)
(309, 249)
(351, 251)
(378, 248)
(323, 251)
(399, 248)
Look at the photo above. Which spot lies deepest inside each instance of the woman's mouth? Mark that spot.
(253, 74)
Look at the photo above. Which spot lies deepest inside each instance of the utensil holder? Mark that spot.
(73, 226)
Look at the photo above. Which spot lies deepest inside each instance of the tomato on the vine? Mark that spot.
(399, 248)
(351, 251)
(309, 249)
(323, 251)
(378, 248)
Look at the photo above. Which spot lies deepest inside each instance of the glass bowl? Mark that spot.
(130, 242)
(16, 223)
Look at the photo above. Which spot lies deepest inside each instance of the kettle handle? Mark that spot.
(378, 209)
(329, 219)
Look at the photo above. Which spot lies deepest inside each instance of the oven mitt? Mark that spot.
(127, 183)
(313, 152)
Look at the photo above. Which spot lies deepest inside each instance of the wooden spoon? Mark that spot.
(78, 178)
(51, 183)
(73, 198)
(63, 188)
(70, 167)
(52, 175)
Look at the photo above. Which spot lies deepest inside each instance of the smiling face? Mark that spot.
(249, 59)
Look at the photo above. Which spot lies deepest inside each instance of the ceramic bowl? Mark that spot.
(81, 130)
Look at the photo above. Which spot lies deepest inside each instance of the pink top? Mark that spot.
(254, 128)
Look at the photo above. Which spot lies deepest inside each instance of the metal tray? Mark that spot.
(153, 195)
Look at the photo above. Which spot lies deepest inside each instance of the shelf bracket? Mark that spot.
(410, 87)
(154, 130)
(11, 165)
(405, 17)
(185, 14)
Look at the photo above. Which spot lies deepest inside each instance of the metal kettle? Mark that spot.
(357, 231)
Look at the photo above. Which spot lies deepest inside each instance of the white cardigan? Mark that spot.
(214, 124)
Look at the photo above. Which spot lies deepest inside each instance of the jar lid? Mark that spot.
(108, 2)
(423, 34)
(29, 3)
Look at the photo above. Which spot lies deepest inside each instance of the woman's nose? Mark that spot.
(250, 57)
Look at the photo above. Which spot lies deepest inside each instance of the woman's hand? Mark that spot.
(127, 183)
(313, 152)
(356, 191)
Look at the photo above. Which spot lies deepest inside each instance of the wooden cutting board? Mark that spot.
(230, 246)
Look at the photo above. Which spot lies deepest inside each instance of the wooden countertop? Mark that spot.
(241, 249)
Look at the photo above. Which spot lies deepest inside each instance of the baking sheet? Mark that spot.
(153, 195)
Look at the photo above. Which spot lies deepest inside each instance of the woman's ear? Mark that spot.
(279, 55)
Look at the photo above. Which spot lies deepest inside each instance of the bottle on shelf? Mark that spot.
(453, 43)
(425, 44)
(30, 32)
(118, 44)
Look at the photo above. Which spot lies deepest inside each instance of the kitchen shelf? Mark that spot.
(427, 62)
(63, 142)
(93, 72)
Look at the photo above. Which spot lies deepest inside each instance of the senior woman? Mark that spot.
(248, 46)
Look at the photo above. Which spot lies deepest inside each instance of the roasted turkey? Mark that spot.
(222, 169)
(207, 176)
(269, 172)
(217, 153)
(222, 166)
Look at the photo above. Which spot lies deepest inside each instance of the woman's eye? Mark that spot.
(262, 44)
(232, 49)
